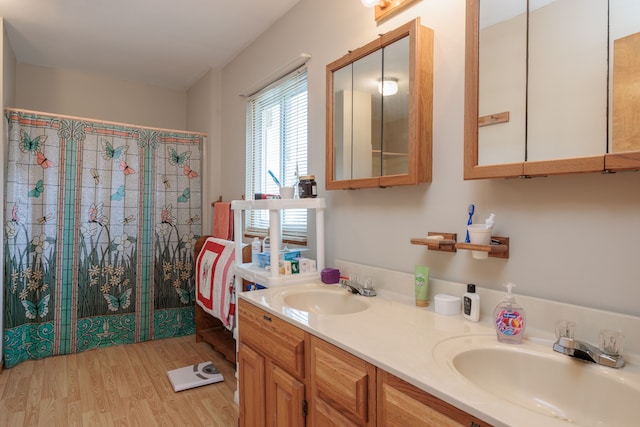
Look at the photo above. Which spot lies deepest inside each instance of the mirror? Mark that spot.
(624, 42)
(379, 104)
(539, 88)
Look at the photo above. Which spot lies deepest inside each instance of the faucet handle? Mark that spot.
(565, 329)
(611, 342)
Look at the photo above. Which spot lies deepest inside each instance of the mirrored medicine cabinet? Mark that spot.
(549, 87)
(379, 112)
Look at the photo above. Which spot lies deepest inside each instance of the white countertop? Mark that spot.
(401, 339)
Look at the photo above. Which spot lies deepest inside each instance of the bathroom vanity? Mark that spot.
(317, 355)
(291, 377)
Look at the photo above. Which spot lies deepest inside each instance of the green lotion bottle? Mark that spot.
(421, 279)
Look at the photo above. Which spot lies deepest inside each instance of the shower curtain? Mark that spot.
(98, 242)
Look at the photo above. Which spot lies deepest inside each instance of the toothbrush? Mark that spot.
(472, 208)
(274, 178)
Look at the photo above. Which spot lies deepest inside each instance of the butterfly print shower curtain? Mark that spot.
(101, 220)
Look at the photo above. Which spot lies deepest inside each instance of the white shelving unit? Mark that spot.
(275, 207)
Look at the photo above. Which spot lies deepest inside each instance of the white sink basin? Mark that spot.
(536, 378)
(325, 301)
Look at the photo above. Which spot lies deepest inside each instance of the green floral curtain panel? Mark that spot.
(98, 242)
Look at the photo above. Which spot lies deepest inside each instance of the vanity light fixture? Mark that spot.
(386, 7)
(388, 86)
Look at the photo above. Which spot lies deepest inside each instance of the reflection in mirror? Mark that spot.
(394, 149)
(567, 81)
(342, 133)
(625, 69)
(547, 70)
(367, 114)
(371, 125)
(502, 71)
(355, 99)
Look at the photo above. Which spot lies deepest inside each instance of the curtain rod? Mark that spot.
(20, 110)
(298, 61)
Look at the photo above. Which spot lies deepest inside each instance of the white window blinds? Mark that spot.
(277, 141)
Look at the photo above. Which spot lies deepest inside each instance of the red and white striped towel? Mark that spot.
(215, 290)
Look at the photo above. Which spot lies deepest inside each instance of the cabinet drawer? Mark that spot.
(273, 337)
(344, 382)
(402, 404)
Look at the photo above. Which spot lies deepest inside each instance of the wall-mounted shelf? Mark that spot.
(446, 244)
(499, 250)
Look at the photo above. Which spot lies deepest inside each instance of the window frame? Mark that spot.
(286, 99)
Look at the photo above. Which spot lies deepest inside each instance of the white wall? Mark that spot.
(72, 93)
(8, 71)
(573, 238)
(203, 115)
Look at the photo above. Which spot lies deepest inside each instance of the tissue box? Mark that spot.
(290, 255)
(306, 265)
(285, 268)
(264, 258)
(295, 266)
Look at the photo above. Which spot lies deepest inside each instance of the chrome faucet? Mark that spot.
(356, 288)
(609, 353)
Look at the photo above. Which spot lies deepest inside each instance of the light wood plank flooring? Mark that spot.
(125, 385)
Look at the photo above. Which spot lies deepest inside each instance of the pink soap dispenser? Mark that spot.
(510, 319)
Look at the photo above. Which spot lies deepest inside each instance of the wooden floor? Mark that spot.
(125, 385)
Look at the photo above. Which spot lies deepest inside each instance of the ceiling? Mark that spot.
(166, 43)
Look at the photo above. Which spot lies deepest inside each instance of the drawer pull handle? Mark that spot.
(267, 318)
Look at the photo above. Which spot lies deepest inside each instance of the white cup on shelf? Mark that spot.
(479, 234)
(286, 192)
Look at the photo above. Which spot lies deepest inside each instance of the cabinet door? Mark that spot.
(402, 404)
(272, 337)
(285, 399)
(341, 382)
(252, 387)
(378, 137)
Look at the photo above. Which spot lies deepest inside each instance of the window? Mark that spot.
(277, 142)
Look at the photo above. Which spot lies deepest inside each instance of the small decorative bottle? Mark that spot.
(255, 251)
(471, 304)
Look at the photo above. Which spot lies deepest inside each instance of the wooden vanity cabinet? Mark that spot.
(343, 387)
(288, 377)
(402, 404)
(271, 359)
